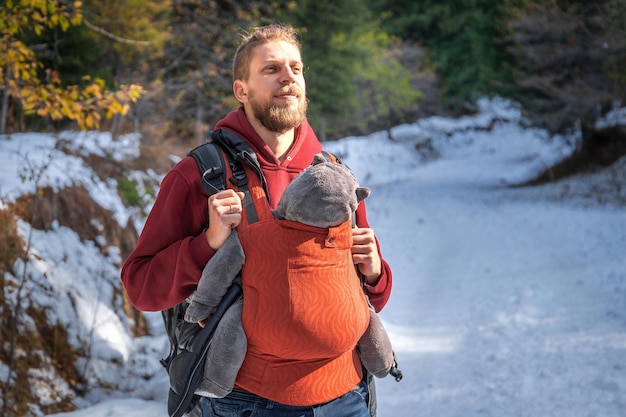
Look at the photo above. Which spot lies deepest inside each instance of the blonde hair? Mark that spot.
(259, 36)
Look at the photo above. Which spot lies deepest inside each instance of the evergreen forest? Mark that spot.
(163, 68)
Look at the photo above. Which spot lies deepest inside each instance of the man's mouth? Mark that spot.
(288, 94)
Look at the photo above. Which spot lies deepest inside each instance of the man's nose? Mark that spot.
(288, 76)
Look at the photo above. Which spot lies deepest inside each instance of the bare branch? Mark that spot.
(112, 36)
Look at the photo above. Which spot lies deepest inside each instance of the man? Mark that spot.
(183, 230)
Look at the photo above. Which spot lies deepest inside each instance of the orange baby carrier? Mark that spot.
(304, 309)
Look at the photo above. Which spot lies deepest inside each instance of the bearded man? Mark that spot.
(186, 227)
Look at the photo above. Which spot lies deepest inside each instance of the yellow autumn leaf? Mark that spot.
(55, 114)
(89, 121)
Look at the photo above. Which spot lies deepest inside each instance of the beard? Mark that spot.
(279, 119)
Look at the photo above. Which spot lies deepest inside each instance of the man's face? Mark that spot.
(276, 92)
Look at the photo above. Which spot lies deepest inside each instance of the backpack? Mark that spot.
(189, 343)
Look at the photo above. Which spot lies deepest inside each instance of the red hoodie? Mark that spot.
(172, 250)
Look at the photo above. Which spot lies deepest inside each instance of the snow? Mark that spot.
(507, 301)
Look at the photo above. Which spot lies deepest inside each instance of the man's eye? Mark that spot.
(297, 69)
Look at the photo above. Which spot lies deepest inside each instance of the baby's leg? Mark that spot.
(375, 348)
(225, 356)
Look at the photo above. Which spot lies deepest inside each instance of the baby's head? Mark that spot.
(323, 195)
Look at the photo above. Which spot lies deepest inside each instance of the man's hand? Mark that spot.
(365, 254)
(224, 215)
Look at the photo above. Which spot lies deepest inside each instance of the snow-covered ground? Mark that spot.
(507, 301)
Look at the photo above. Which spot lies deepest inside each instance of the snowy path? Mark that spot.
(506, 302)
(502, 306)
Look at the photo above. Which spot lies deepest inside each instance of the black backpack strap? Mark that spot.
(211, 165)
(240, 180)
(239, 152)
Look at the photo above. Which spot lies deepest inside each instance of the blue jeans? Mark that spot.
(241, 404)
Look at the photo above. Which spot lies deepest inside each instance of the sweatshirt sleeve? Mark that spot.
(378, 294)
(166, 265)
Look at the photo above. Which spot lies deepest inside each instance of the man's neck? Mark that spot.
(279, 143)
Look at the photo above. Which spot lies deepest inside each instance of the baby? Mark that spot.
(324, 195)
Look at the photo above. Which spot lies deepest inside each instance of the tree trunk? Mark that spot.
(199, 133)
(5, 105)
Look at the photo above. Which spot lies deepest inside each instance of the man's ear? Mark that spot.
(240, 89)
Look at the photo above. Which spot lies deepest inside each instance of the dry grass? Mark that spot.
(45, 347)
(11, 245)
(601, 147)
(74, 208)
